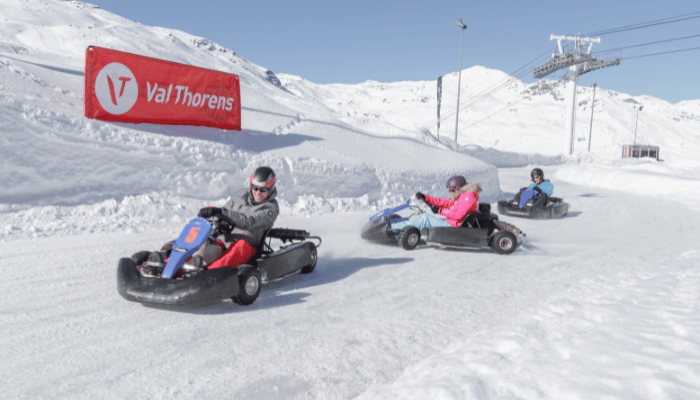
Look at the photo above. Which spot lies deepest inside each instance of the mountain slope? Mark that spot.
(336, 148)
(42, 62)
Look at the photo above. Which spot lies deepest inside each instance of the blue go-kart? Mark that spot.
(176, 277)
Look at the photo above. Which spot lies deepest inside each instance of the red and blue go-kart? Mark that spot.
(176, 277)
(479, 230)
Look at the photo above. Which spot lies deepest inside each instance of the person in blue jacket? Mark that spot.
(540, 190)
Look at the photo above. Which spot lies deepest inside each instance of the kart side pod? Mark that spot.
(450, 236)
(288, 260)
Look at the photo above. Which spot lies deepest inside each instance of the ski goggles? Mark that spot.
(259, 189)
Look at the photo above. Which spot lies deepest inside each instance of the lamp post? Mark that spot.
(459, 81)
(590, 131)
(635, 125)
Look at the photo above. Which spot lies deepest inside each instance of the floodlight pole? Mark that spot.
(635, 126)
(590, 131)
(459, 81)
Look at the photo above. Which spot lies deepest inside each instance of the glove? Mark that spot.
(537, 189)
(420, 196)
(435, 209)
(225, 225)
(208, 212)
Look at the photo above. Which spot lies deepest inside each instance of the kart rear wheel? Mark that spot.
(504, 242)
(314, 258)
(409, 237)
(250, 283)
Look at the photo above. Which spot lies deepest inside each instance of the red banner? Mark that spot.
(125, 87)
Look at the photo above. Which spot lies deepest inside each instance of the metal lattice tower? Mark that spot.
(579, 62)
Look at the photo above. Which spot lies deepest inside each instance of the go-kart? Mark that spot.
(479, 230)
(555, 207)
(176, 276)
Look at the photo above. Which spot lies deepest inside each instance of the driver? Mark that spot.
(541, 190)
(465, 200)
(253, 211)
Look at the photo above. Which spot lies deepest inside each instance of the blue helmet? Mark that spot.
(456, 181)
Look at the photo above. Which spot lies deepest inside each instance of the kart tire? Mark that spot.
(250, 283)
(409, 237)
(504, 242)
(314, 258)
(140, 257)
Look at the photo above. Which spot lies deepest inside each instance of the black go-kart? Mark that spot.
(555, 207)
(479, 230)
(176, 275)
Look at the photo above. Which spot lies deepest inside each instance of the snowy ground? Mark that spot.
(600, 304)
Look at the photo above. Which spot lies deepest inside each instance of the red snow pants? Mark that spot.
(239, 253)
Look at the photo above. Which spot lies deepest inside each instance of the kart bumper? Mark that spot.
(207, 287)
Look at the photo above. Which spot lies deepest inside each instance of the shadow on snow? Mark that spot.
(285, 291)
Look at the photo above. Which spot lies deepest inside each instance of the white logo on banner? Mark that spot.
(116, 88)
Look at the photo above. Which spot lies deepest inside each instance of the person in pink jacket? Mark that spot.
(453, 211)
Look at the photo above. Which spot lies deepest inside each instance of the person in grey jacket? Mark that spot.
(253, 211)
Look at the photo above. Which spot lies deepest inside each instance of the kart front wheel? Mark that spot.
(250, 283)
(504, 242)
(314, 258)
(409, 237)
(140, 257)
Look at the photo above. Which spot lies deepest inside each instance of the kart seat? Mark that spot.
(471, 221)
(478, 219)
(261, 248)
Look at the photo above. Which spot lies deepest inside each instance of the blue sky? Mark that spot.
(413, 40)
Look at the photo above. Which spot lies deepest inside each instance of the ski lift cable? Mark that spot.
(488, 92)
(512, 104)
(490, 115)
(498, 86)
(501, 84)
(476, 99)
(650, 43)
(665, 52)
(646, 55)
(645, 24)
(468, 102)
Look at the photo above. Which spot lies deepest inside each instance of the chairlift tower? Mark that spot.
(579, 62)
